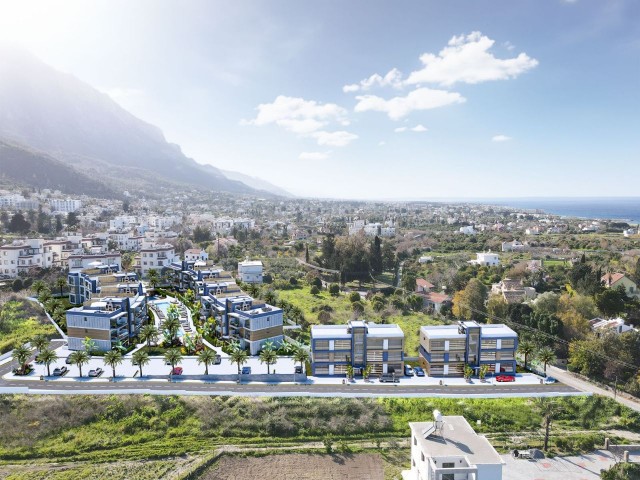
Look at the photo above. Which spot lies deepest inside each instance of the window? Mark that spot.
(448, 465)
(415, 441)
(422, 455)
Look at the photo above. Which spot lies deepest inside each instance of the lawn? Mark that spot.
(20, 321)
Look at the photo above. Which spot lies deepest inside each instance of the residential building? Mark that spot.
(154, 256)
(242, 319)
(108, 321)
(20, 256)
(61, 205)
(123, 222)
(196, 255)
(468, 230)
(83, 285)
(612, 325)
(107, 262)
(449, 449)
(446, 349)
(250, 271)
(513, 291)
(615, 280)
(514, 246)
(372, 229)
(487, 259)
(359, 344)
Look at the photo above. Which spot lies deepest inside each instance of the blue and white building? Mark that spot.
(358, 344)
(446, 349)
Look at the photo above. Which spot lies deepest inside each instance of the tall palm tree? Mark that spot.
(154, 277)
(268, 356)
(79, 358)
(239, 357)
(21, 355)
(149, 333)
(47, 357)
(548, 409)
(61, 283)
(37, 287)
(270, 297)
(301, 355)
(113, 358)
(40, 342)
(140, 358)
(546, 355)
(171, 325)
(172, 357)
(207, 357)
(526, 348)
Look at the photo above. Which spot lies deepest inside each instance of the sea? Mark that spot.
(623, 209)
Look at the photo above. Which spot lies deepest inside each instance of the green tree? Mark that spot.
(468, 371)
(172, 323)
(47, 357)
(79, 358)
(72, 220)
(469, 303)
(548, 409)
(314, 290)
(154, 277)
(140, 358)
(113, 358)
(149, 334)
(301, 355)
(375, 259)
(239, 357)
(497, 308)
(38, 286)
(334, 289)
(21, 355)
(61, 283)
(611, 301)
(526, 348)
(482, 373)
(40, 342)
(546, 356)
(18, 224)
(268, 356)
(206, 357)
(89, 345)
(172, 357)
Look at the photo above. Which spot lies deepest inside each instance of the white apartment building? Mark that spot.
(65, 205)
(22, 255)
(155, 257)
(123, 222)
(514, 246)
(250, 271)
(226, 224)
(372, 229)
(468, 230)
(487, 259)
(449, 449)
(10, 201)
(196, 255)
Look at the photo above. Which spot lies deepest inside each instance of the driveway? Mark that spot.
(583, 467)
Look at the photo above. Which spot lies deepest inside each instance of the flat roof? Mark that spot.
(374, 330)
(456, 438)
(251, 263)
(497, 330)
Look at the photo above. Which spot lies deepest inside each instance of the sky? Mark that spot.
(369, 99)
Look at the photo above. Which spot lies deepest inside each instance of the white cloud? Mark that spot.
(398, 107)
(500, 138)
(314, 156)
(467, 59)
(334, 139)
(400, 129)
(419, 128)
(306, 118)
(393, 78)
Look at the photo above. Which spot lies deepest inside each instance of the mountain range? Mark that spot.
(51, 121)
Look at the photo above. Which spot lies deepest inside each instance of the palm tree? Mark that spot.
(47, 357)
(79, 358)
(38, 286)
(207, 356)
(268, 356)
(40, 342)
(113, 358)
(171, 325)
(172, 357)
(239, 357)
(61, 283)
(270, 297)
(149, 333)
(301, 355)
(140, 358)
(154, 277)
(526, 348)
(548, 409)
(21, 355)
(546, 356)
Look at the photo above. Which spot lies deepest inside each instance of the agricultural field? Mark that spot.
(20, 321)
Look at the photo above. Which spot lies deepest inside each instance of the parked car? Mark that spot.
(550, 380)
(68, 360)
(246, 370)
(298, 369)
(176, 371)
(60, 371)
(408, 371)
(389, 378)
(218, 360)
(95, 372)
(418, 371)
(505, 378)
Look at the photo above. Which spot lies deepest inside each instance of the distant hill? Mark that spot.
(256, 183)
(28, 167)
(58, 114)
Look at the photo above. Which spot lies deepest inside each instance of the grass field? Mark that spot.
(20, 321)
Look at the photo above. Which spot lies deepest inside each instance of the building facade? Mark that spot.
(446, 349)
(358, 344)
(250, 271)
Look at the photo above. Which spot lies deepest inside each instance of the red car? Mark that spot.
(176, 371)
(505, 378)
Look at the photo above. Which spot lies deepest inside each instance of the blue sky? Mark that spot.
(472, 99)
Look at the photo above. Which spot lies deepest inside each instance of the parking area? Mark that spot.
(582, 467)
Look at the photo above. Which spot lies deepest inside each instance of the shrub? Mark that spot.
(314, 290)
(334, 289)
(354, 297)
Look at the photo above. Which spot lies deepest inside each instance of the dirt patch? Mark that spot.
(298, 466)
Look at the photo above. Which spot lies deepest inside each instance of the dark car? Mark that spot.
(298, 369)
(246, 370)
(68, 360)
(218, 360)
(95, 372)
(389, 378)
(60, 371)
(176, 371)
(408, 371)
(418, 371)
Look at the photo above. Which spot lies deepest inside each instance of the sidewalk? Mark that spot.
(575, 382)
